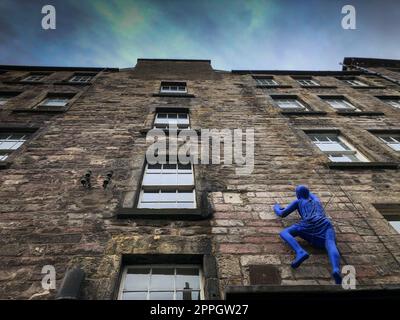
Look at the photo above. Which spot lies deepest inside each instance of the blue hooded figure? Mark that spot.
(314, 227)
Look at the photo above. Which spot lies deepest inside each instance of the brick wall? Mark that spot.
(46, 216)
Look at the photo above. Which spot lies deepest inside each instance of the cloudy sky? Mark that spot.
(234, 34)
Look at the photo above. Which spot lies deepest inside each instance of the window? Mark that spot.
(307, 82)
(354, 82)
(173, 87)
(336, 148)
(4, 97)
(266, 82)
(394, 102)
(391, 212)
(11, 141)
(164, 120)
(167, 199)
(289, 104)
(161, 282)
(81, 78)
(168, 174)
(340, 103)
(168, 186)
(54, 102)
(392, 140)
(34, 77)
(394, 221)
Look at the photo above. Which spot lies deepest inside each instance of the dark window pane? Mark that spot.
(154, 166)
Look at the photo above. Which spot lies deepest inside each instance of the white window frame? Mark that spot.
(34, 77)
(266, 82)
(307, 82)
(395, 103)
(394, 137)
(81, 78)
(161, 205)
(45, 102)
(395, 224)
(150, 266)
(6, 152)
(166, 87)
(4, 99)
(340, 101)
(349, 150)
(294, 101)
(167, 172)
(355, 82)
(167, 187)
(160, 124)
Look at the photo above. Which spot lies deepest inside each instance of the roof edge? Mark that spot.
(175, 60)
(53, 68)
(297, 72)
(371, 62)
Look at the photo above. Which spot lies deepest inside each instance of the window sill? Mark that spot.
(319, 87)
(360, 113)
(362, 165)
(279, 86)
(4, 164)
(67, 83)
(174, 95)
(303, 113)
(25, 82)
(368, 87)
(166, 131)
(172, 214)
(41, 110)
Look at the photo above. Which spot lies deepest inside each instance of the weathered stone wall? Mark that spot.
(46, 217)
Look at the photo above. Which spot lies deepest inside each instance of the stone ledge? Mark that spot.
(4, 164)
(279, 86)
(319, 87)
(303, 113)
(363, 165)
(172, 214)
(25, 82)
(360, 113)
(67, 83)
(174, 95)
(144, 131)
(40, 110)
(368, 87)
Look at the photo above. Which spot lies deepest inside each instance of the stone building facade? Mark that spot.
(65, 121)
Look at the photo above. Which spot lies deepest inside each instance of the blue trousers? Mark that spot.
(327, 241)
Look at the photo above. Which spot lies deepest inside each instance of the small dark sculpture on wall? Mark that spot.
(314, 227)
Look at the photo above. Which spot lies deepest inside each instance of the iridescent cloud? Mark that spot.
(234, 34)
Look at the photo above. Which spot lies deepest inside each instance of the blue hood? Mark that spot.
(302, 192)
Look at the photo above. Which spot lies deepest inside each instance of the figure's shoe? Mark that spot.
(337, 276)
(300, 257)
